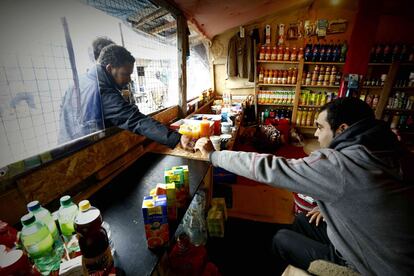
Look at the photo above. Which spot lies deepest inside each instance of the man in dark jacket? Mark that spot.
(91, 113)
(81, 109)
(362, 180)
(114, 69)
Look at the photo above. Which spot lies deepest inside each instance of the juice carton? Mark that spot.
(215, 222)
(186, 175)
(177, 177)
(154, 210)
(220, 202)
(169, 190)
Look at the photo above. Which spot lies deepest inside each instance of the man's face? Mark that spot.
(121, 75)
(323, 131)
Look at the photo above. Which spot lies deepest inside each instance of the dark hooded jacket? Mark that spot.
(364, 187)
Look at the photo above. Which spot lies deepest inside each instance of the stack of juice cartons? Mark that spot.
(168, 190)
(179, 175)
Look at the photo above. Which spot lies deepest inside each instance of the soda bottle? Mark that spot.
(43, 215)
(39, 244)
(93, 239)
(308, 52)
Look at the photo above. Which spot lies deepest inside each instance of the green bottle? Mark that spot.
(67, 214)
(43, 215)
(38, 242)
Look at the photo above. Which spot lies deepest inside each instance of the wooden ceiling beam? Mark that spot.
(158, 13)
(166, 26)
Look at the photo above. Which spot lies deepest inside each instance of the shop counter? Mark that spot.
(120, 203)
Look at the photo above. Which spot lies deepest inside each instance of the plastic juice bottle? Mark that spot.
(67, 213)
(66, 216)
(43, 215)
(93, 239)
(38, 242)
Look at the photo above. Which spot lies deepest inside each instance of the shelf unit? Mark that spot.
(297, 87)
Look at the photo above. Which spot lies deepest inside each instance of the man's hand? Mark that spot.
(204, 145)
(186, 143)
(315, 215)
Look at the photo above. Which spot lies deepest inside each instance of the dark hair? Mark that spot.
(98, 44)
(346, 110)
(115, 55)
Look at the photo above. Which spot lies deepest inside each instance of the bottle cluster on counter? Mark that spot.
(322, 76)
(275, 97)
(326, 52)
(386, 52)
(275, 53)
(269, 76)
(307, 117)
(400, 101)
(81, 247)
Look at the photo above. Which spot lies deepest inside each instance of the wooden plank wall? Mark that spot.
(100, 162)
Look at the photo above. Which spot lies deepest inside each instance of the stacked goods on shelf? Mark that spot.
(386, 53)
(400, 101)
(322, 76)
(376, 80)
(325, 52)
(277, 97)
(313, 98)
(306, 117)
(399, 120)
(371, 99)
(276, 114)
(274, 53)
(268, 76)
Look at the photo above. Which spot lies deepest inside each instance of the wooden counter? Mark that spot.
(120, 202)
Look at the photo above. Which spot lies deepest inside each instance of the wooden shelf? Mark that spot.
(404, 88)
(324, 63)
(399, 110)
(321, 86)
(281, 85)
(275, 104)
(313, 106)
(278, 62)
(372, 87)
(407, 63)
(379, 64)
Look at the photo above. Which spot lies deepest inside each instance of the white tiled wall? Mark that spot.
(43, 76)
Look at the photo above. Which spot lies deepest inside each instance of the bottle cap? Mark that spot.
(84, 205)
(33, 206)
(65, 200)
(28, 219)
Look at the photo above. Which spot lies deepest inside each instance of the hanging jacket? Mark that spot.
(364, 191)
(240, 57)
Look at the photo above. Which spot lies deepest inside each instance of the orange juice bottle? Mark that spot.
(204, 128)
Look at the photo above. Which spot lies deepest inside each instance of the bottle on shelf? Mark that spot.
(344, 50)
(262, 53)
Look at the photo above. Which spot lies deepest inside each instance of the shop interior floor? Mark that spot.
(246, 249)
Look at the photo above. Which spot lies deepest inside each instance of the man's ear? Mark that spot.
(108, 68)
(341, 128)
